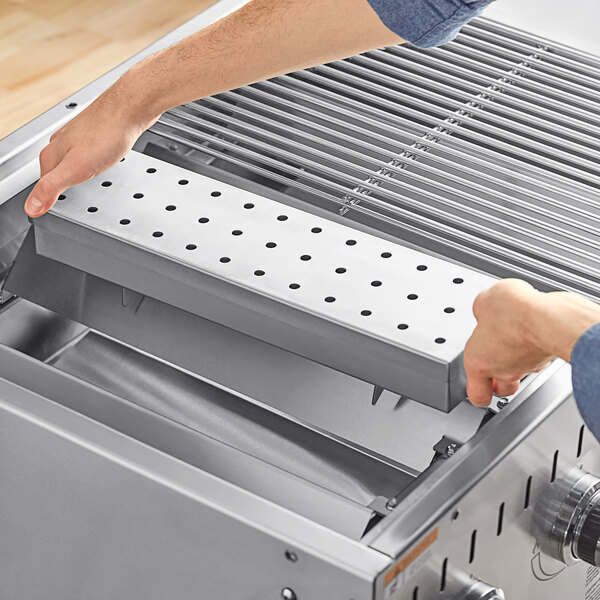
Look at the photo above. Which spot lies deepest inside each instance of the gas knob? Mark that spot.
(575, 533)
(481, 591)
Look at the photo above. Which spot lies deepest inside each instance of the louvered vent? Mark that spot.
(485, 150)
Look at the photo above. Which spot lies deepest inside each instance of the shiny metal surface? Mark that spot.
(485, 150)
(376, 310)
(95, 502)
(233, 421)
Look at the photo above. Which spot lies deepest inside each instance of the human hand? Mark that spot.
(89, 144)
(519, 331)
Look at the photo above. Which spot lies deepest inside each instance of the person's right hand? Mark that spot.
(89, 144)
(519, 330)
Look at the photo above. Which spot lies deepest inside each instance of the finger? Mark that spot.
(68, 172)
(506, 388)
(479, 389)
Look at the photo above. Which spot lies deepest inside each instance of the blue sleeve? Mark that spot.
(427, 23)
(585, 361)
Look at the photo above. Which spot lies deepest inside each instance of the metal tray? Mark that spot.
(389, 315)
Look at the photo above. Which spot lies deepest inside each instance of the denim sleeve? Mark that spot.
(427, 23)
(585, 361)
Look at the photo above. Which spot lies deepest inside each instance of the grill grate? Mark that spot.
(486, 150)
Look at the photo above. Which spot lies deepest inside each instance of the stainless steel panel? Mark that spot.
(92, 513)
(382, 312)
(299, 481)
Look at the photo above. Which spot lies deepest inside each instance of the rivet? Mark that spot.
(288, 594)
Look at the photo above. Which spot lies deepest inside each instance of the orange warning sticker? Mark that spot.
(407, 560)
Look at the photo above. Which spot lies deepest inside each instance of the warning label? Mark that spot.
(592, 584)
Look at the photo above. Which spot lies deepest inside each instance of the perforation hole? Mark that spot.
(259, 272)
(138, 195)
(183, 182)
(151, 170)
(294, 286)
(224, 259)
(440, 340)
(443, 575)
(449, 310)
(305, 257)
(340, 270)
(158, 234)
(500, 519)
(350, 242)
(527, 500)
(215, 194)
(106, 183)
(376, 283)
(554, 467)
(421, 267)
(412, 296)
(191, 247)
(237, 232)
(458, 280)
(580, 441)
(366, 313)
(203, 220)
(316, 230)
(473, 547)
(386, 255)
(402, 326)
(248, 206)
(62, 197)
(329, 299)
(271, 245)
(170, 207)
(92, 209)
(124, 221)
(282, 218)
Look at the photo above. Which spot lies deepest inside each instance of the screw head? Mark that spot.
(391, 504)
(288, 594)
(451, 450)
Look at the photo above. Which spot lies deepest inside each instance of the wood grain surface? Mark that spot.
(51, 48)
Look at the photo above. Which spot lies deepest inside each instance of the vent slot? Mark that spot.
(486, 149)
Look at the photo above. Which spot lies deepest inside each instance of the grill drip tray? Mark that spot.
(384, 313)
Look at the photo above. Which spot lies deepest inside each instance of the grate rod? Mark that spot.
(502, 80)
(433, 230)
(536, 77)
(560, 51)
(384, 163)
(478, 111)
(456, 153)
(426, 208)
(378, 61)
(237, 96)
(527, 50)
(464, 133)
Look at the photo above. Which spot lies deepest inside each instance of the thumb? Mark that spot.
(479, 389)
(68, 172)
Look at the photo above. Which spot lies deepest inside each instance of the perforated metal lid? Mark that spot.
(388, 314)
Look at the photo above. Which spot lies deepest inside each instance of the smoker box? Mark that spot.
(230, 367)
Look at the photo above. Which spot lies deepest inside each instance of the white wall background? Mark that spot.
(571, 22)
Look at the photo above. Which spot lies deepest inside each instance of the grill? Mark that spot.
(232, 363)
(485, 150)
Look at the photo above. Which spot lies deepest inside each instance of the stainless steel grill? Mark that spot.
(485, 150)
